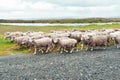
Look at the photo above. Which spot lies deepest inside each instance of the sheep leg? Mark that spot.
(58, 48)
(82, 45)
(77, 50)
(61, 50)
(105, 46)
(30, 48)
(92, 48)
(72, 50)
(87, 47)
(41, 50)
(48, 48)
(51, 47)
(76, 47)
(118, 46)
(65, 50)
(35, 52)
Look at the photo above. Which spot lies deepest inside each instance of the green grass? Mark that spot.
(6, 47)
(8, 28)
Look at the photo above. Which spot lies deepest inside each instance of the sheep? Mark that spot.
(45, 42)
(25, 41)
(31, 34)
(97, 41)
(84, 41)
(18, 40)
(59, 34)
(10, 35)
(117, 41)
(65, 43)
(114, 34)
(37, 36)
(22, 41)
(94, 40)
(76, 35)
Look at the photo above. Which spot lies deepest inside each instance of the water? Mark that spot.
(54, 24)
(45, 24)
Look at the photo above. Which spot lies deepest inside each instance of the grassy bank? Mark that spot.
(82, 20)
(7, 47)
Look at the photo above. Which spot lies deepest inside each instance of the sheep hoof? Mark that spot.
(35, 53)
(61, 52)
(77, 50)
(66, 51)
(91, 49)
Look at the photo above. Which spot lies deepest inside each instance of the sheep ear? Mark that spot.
(69, 35)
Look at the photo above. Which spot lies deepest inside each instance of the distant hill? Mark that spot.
(83, 20)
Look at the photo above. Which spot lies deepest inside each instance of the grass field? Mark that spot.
(6, 47)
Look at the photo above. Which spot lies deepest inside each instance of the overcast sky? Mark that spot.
(46, 9)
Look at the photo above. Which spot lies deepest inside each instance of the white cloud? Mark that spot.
(43, 6)
(35, 9)
(12, 5)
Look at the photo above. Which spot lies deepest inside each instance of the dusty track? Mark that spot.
(83, 65)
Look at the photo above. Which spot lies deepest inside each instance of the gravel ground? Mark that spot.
(83, 65)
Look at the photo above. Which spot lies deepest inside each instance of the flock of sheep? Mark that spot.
(65, 40)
